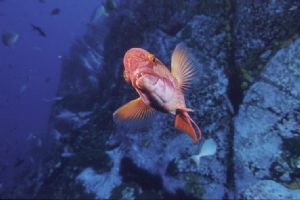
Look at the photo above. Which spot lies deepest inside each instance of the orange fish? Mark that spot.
(159, 88)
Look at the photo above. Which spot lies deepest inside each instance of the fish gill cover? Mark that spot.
(246, 99)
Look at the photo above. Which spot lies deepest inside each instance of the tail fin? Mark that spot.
(185, 123)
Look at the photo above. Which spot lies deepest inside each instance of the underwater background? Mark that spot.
(61, 79)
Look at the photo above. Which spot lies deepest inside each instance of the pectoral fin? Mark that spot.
(183, 68)
(133, 110)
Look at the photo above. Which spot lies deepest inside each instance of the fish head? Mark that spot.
(135, 61)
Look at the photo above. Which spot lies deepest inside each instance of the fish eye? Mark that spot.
(151, 57)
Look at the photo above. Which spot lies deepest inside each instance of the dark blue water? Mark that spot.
(62, 135)
(29, 70)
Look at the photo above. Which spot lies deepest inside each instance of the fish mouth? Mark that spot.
(145, 81)
(139, 75)
(139, 80)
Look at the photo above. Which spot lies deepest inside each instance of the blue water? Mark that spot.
(61, 84)
(29, 70)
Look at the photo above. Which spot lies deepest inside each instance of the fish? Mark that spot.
(55, 11)
(31, 137)
(19, 162)
(39, 30)
(10, 38)
(159, 89)
(36, 48)
(208, 148)
(53, 99)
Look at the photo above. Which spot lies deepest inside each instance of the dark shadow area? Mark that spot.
(132, 173)
(234, 90)
(150, 183)
(180, 195)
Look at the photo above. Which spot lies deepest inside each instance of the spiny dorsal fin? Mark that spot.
(183, 68)
(133, 110)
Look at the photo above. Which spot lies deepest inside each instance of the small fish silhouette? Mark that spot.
(55, 11)
(39, 30)
(10, 38)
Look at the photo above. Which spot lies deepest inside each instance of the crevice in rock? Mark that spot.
(234, 92)
(131, 173)
(230, 179)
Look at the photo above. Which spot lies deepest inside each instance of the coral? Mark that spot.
(102, 184)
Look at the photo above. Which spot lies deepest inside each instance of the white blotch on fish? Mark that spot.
(208, 148)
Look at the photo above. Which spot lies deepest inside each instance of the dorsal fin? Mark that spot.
(133, 110)
(183, 68)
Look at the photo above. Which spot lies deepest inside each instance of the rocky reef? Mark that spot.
(246, 97)
(267, 126)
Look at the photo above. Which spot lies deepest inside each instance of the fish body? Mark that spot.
(55, 11)
(38, 30)
(154, 83)
(9, 38)
(159, 88)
